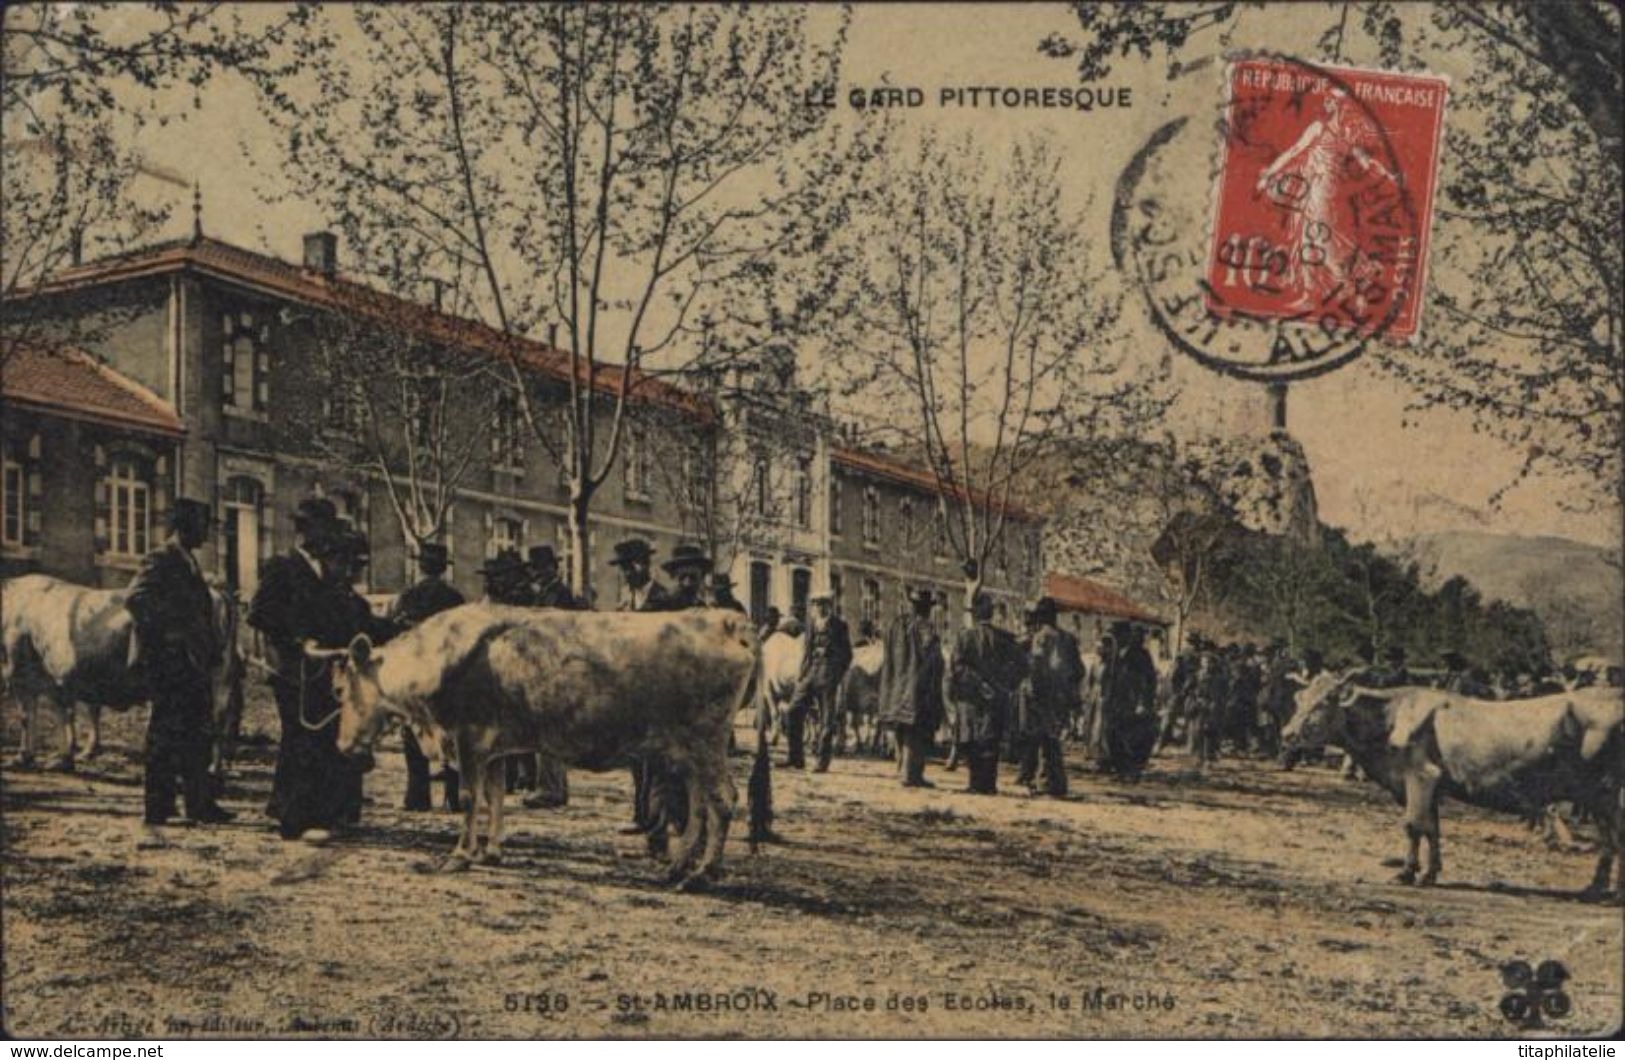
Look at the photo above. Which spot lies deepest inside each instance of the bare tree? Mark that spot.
(970, 302)
(403, 406)
(1198, 529)
(622, 172)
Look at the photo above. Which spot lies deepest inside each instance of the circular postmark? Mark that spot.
(1279, 241)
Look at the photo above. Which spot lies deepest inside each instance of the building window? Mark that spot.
(804, 493)
(869, 607)
(834, 503)
(1033, 555)
(905, 522)
(129, 509)
(341, 405)
(695, 480)
(939, 526)
(506, 534)
(507, 436)
(423, 411)
(245, 371)
(871, 517)
(637, 464)
(836, 585)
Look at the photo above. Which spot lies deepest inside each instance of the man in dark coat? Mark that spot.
(640, 591)
(314, 785)
(547, 586)
(347, 560)
(1129, 704)
(507, 579)
(1210, 691)
(988, 668)
(1049, 696)
(546, 590)
(428, 597)
(177, 648)
(1246, 688)
(826, 654)
(722, 593)
(759, 788)
(911, 687)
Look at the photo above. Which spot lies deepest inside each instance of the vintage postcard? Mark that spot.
(1085, 521)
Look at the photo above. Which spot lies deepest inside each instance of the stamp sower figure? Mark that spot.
(177, 647)
(988, 668)
(826, 654)
(1049, 697)
(640, 591)
(314, 786)
(428, 597)
(547, 590)
(911, 686)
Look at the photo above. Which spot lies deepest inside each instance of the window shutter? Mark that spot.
(490, 534)
(33, 447)
(524, 532)
(228, 365)
(32, 516)
(104, 504)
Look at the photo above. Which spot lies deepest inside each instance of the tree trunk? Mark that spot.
(580, 539)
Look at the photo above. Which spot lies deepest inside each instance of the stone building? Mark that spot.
(202, 377)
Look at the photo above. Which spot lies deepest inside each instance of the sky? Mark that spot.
(1382, 469)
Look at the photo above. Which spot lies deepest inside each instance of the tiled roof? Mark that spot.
(223, 260)
(1080, 594)
(895, 470)
(72, 383)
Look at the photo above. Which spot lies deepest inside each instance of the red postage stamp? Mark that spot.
(1325, 196)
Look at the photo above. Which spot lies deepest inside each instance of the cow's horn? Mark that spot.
(316, 651)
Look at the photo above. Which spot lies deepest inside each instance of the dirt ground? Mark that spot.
(1245, 902)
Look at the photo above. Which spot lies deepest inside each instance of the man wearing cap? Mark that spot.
(826, 654)
(988, 668)
(641, 592)
(911, 687)
(177, 647)
(314, 787)
(1049, 697)
(428, 597)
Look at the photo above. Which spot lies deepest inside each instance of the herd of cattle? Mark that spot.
(595, 690)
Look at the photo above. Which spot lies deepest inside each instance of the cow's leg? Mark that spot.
(489, 850)
(473, 766)
(1431, 831)
(1609, 813)
(721, 797)
(30, 704)
(62, 761)
(93, 746)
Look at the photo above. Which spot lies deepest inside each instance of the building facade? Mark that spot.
(201, 374)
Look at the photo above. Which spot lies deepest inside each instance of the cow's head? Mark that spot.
(361, 703)
(1318, 719)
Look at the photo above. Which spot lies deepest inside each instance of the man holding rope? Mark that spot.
(297, 602)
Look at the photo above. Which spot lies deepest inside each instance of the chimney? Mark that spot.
(322, 253)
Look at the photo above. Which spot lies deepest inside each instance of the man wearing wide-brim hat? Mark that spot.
(689, 567)
(177, 647)
(506, 579)
(547, 587)
(1049, 697)
(640, 591)
(300, 601)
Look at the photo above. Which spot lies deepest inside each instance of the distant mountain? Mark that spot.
(1570, 584)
